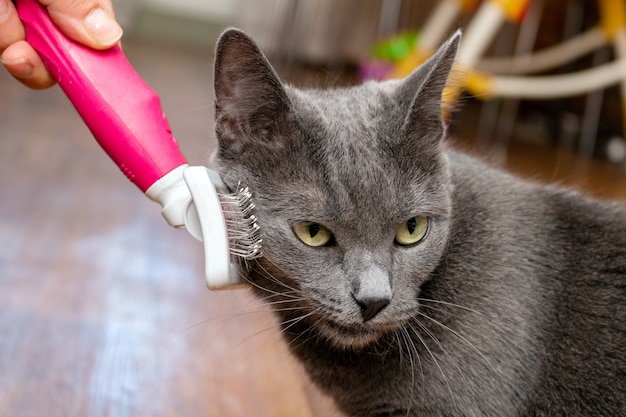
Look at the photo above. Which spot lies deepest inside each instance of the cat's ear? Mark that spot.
(250, 101)
(421, 92)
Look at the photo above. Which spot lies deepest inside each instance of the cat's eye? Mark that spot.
(412, 231)
(313, 234)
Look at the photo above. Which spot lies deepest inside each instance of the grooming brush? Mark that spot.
(125, 116)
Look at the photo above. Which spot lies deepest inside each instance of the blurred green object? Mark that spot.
(396, 48)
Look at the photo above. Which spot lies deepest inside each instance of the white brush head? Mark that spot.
(195, 198)
(229, 229)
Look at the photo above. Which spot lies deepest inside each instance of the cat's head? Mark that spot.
(351, 187)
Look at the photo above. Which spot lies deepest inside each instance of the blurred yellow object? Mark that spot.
(513, 77)
(405, 66)
(513, 9)
(480, 85)
(612, 16)
(468, 5)
(456, 84)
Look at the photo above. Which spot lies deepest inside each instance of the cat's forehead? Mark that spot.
(347, 103)
(351, 118)
(348, 164)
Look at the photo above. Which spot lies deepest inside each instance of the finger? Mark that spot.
(90, 22)
(11, 29)
(21, 60)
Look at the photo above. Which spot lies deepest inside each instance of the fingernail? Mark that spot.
(102, 27)
(20, 68)
(4, 10)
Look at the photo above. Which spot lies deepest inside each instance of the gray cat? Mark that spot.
(410, 279)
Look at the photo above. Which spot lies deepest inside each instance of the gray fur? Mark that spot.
(513, 304)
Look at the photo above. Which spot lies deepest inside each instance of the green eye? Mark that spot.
(412, 231)
(312, 234)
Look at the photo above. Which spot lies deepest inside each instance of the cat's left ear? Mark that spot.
(250, 101)
(421, 92)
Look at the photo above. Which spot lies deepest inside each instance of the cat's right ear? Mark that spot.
(421, 93)
(250, 101)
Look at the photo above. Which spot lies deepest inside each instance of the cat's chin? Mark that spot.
(351, 337)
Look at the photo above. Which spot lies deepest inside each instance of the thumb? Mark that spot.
(90, 22)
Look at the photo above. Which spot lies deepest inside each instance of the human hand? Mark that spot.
(90, 22)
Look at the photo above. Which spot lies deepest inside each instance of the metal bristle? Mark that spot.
(243, 231)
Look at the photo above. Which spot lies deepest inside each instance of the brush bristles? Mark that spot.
(244, 239)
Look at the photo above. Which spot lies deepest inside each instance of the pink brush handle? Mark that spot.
(121, 110)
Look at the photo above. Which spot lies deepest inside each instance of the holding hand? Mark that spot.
(90, 22)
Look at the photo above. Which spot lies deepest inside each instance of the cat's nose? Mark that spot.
(372, 291)
(371, 306)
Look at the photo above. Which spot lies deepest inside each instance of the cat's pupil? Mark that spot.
(411, 225)
(314, 229)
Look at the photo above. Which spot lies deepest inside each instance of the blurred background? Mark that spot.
(322, 43)
(103, 307)
(338, 37)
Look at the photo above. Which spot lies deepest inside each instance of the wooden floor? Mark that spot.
(103, 307)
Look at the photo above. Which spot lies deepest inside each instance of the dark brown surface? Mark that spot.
(103, 307)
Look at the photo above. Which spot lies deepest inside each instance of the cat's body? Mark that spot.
(539, 341)
(512, 302)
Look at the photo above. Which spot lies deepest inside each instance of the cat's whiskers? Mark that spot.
(291, 342)
(467, 342)
(411, 349)
(441, 347)
(396, 333)
(262, 302)
(447, 303)
(258, 306)
(271, 277)
(287, 296)
(265, 289)
(249, 309)
(198, 324)
(290, 298)
(253, 308)
(274, 305)
(442, 304)
(284, 326)
(283, 301)
(430, 353)
(275, 336)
